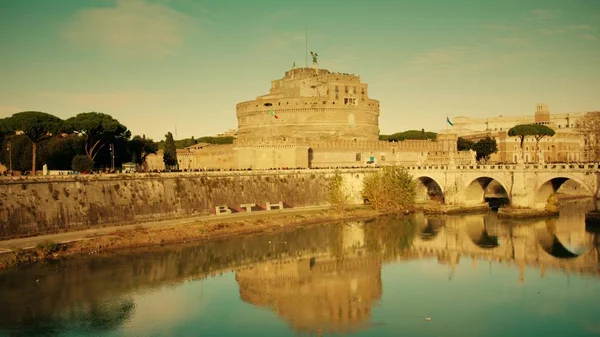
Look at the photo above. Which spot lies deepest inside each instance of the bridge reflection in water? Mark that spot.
(319, 280)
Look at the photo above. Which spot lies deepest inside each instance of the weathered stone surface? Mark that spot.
(36, 206)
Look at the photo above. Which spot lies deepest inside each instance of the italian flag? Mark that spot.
(273, 114)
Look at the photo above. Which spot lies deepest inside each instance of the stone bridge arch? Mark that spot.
(428, 188)
(480, 186)
(549, 184)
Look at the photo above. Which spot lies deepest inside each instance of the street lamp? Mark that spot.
(9, 148)
(112, 154)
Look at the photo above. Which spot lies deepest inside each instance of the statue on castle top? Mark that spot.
(314, 57)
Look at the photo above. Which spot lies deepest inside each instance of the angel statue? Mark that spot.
(314, 56)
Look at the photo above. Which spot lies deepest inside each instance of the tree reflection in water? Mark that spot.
(336, 268)
(91, 319)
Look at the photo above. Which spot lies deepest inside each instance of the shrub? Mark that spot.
(81, 163)
(336, 193)
(392, 188)
(48, 247)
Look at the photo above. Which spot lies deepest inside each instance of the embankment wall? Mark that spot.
(41, 205)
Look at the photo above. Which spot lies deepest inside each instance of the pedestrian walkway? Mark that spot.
(30, 242)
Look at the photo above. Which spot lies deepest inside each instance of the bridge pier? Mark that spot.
(520, 198)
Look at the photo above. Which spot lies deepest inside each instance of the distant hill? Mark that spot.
(410, 134)
(183, 143)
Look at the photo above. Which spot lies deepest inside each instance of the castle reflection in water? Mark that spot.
(318, 279)
(334, 290)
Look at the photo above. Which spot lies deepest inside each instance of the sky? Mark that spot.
(183, 65)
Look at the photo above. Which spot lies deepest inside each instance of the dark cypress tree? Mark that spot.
(170, 152)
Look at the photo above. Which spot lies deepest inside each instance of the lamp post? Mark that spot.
(9, 148)
(112, 154)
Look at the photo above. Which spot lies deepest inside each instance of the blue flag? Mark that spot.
(448, 121)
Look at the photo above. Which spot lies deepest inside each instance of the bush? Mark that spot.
(392, 188)
(48, 247)
(336, 193)
(81, 163)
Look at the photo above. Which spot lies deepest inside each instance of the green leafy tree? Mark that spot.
(82, 163)
(99, 130)
(541, 132)
(463, 144)
(170, 152)
(140, 148)
(391, 188)
(20, 151)
(484, 148)
(58, 152)
(537, 131)
(36, 125)
(183, 143)
(410, 134)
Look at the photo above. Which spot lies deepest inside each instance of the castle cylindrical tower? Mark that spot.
(310, 104)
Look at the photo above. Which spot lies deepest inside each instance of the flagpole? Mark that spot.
(306, 46)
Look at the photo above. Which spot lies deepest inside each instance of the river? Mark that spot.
(468, 275)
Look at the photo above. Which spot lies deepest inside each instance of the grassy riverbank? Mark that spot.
(115, 238)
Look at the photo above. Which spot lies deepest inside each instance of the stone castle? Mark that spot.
(313, 118)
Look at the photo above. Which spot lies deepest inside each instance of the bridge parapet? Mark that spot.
(511, 167)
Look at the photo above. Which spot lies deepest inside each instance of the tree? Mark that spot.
(20, 151)
(522, 131)
(58, 152)
(36, 125)
(538, 131)
(590, 126)
(336, 193)
(484, 148)
(410, 134)
(391, 188)
(140, 148)
(541, 132)
(170, 152)
(99, 129)
(464, 144)
(82, 163)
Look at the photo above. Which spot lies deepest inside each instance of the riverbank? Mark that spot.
(94, 241)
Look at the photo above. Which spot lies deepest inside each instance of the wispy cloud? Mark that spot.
(283, 14)
(581, 27)
(513, 40)
(439, 58)
(284, 41)
(130, 28)
(499, 27)
(591, 37)
(552, 31)
(102, 102)
(545, 14)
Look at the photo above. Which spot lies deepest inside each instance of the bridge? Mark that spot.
(524, 185)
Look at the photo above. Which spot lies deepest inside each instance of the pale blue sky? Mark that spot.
(157, 64)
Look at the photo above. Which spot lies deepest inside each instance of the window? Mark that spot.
(358, 157)
(349, 101)
(346, 89)
(336, 88)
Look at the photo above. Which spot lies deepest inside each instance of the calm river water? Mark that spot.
(471, 275)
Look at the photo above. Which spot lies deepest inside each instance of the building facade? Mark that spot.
(567, 145)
